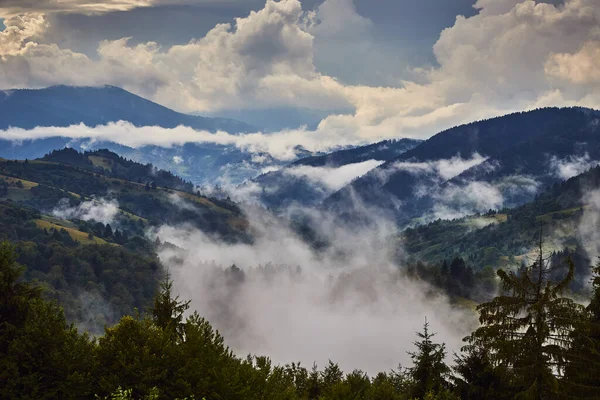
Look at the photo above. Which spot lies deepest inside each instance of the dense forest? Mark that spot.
(87, 310)
(533, 343)
(99, 271)
(499, 237)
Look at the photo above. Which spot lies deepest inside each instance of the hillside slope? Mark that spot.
(305, 182)
(80, 223)
(529, 146)
(565, 214)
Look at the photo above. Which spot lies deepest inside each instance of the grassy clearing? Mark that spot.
(77, 235)
(98, 161)
(562, 214)
(60, 222)
(13, 181)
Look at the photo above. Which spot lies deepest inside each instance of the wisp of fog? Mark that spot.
(350, 303)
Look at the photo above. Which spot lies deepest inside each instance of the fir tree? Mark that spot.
(528, 328)
(429, 370)
(168, 311)
(476, 378)
(582, 376)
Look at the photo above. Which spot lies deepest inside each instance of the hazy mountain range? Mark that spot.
(64, 106)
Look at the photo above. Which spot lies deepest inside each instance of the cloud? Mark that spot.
(512, 55)
(280, 145)
(571, 166)
(99, 210)
(335, 18)
(177, 160)
(350, 303)
(19, 30)
(580, 68)
(445, 168)
(457, 200)
(333, 178)
(588, 225)
(441, 170)
(12, 7)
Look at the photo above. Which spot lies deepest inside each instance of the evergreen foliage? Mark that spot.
(528, 328)
(429, 371)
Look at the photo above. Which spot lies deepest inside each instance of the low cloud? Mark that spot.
(333, 178)
(350, 302)
(281, 145)
(588, 226)
(445, 169)
(457, 200)
(571, 166)
(99, 210)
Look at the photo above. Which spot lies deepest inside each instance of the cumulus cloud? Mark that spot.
(350, 303)
(512, 55)
(12, 7)
(19, 30)
(333, 178)
(580, 68)
(571, 166)
(99, 210)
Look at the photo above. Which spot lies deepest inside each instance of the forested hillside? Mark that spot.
(503, 237)
(79, 224)
(524, 147)
(141, 190)
(164, 355)
(298, 183)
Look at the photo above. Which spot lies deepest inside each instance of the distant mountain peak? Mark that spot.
(63, 105)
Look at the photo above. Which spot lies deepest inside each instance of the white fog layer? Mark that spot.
(350, 304)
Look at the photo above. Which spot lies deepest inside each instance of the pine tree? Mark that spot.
(168, 311)
(582, 376)
(429, 369)
(528, 328)
(476, 378)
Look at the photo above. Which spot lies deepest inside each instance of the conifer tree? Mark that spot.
(476, 378)
(429, 369)
(582, 376)
(167, 311)
(528, 327)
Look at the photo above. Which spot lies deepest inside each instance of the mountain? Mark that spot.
(201, 163)
(80, 224)
(565, 214)
(92, 106)
(515, 155)
(142, 191)
(310, 180)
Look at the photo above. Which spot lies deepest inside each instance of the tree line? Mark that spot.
(533, 343)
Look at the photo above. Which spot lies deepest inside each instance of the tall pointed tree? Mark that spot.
(168, 311)
(477, 378)
(528, 327)
(429, 369)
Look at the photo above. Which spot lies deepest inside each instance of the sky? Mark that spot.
(370, 70)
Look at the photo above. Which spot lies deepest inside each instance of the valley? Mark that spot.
(300, 200)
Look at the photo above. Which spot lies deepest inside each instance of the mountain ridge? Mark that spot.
(515, 144)
(64, 105)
